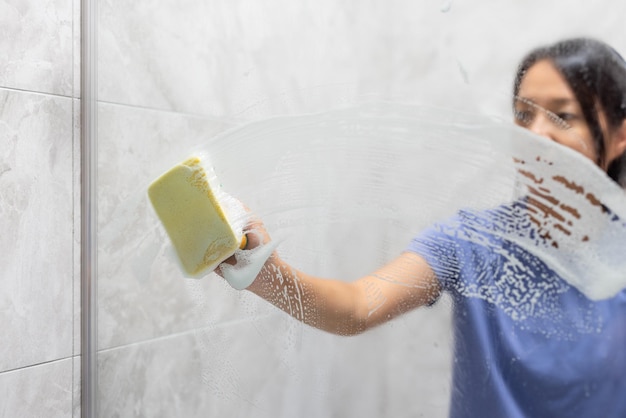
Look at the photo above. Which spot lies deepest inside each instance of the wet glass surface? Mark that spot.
(356, 134)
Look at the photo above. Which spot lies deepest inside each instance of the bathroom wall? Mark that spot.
(175, 74)
(39, 208)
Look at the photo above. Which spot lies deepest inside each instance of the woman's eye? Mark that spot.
(524, 117)
(566, 116)
(564, 119)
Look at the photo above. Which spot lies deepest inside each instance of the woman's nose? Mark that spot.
(543, 125)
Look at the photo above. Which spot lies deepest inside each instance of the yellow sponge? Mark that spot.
(203, 225)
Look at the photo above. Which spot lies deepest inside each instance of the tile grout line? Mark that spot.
(183, 333)
(39, 93)
(73, 96)
(167, 111)
(43, 363)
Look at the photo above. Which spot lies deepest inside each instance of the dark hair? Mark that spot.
(596, 74)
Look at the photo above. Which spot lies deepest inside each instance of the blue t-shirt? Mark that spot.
(526, 344)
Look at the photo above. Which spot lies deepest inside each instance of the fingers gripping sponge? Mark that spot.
(205, 226)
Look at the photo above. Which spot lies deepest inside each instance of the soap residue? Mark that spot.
(248, 265)
(349, 188)
(341, 193)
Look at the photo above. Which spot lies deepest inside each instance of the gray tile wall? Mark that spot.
(173, 74)
(39, 208)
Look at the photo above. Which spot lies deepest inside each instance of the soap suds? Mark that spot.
(248, 266)
(341, 194)
(349, 188)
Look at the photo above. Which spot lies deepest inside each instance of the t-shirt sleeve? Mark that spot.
(439, 247)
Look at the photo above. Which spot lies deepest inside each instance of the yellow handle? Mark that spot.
(244, 243)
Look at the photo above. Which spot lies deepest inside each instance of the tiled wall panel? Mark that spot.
(38, 45)
(39, 247)
(44, 390)
(36, 217)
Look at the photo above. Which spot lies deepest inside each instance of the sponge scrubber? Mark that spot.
(204, 224)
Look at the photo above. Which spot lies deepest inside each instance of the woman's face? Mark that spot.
(546, 105)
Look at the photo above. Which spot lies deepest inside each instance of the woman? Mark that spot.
(567, 356)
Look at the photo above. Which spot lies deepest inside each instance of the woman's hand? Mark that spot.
(256, 235)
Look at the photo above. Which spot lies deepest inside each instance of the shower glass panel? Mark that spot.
(348, 128)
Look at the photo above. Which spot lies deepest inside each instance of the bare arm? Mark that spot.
(348, 308)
